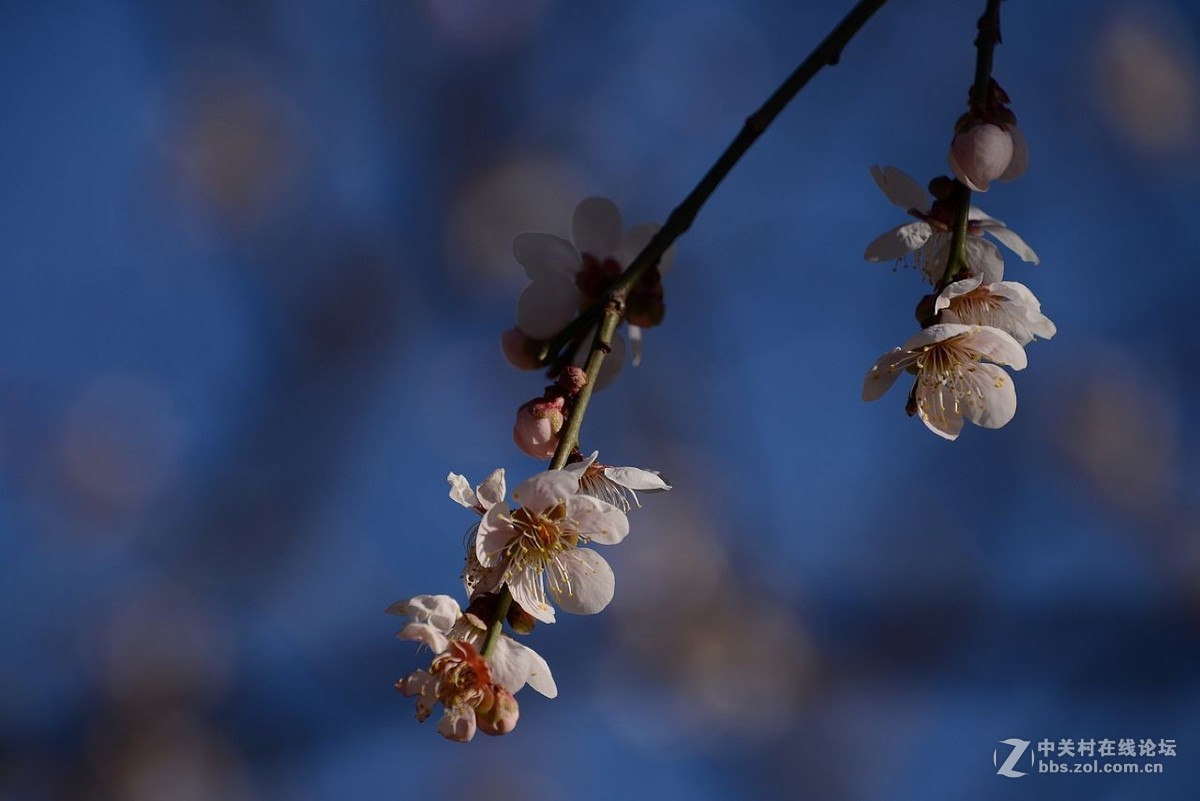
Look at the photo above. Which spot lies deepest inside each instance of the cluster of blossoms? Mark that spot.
(972, 314)
(528, 558)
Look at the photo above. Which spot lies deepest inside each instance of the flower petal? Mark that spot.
(439, 610)
(597, 520)
(997, 346)
(546, 257)
(1009, 238)
(954, 290)
(636, 479)
(493, 534)
(884, 372)
(994, 401)
(581, 582)
(546, 306)
(546, 490)
(577, 469)
(634, 242)
(458, 724)
(513, 665)
(425, 633)
(984, 259)
(491, 491)
(461, 492)
(635, 344)
(527, 590)
(898, 242)
(939, 409)
(901, 188)
(1020, 157)
(596, 227)
(935, 333)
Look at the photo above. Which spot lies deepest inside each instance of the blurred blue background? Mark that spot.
(256, 262)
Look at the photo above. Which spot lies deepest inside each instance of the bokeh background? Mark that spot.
(256, 259)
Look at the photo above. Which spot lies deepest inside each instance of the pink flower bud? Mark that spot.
(520, 350)
(537, 426)
(501, 717)
(980, 155)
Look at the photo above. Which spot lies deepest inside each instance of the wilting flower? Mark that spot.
(1006, 305)
(539, 542)
(475, 692)
(951, 380)
(568, 277)
(475, 577)
(616, 485)
(926, 243)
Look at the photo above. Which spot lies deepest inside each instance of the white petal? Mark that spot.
(935, 333)
(884, 372)
(955, 290)
(898, 242)
(635, 241)
(596, 227)
(577, 469)
(546, 257)
(513, 664)
(636, 479)
(461, 492)
(458, 724)
(598, 520)
(493, 534)
(984, 259)
(527, 590)
(545, 307)
(581, 582)
(997, 346)
(939, 409)
(995, 399)
(960, 175)
(546, 490)
(1009, 238)
(539, 677)
(635, 344)
(440, 610)
(425, 633)
(1020, 158)
(491, 491)
(901, 189)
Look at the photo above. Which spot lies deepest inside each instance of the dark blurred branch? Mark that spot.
(826, 54)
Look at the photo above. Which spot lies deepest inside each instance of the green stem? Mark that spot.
(985, 49)
(609, 309)
(680, 220)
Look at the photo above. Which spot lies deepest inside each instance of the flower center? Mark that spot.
(463, 677)
(595, 277)
(540, 537)
(949, 364)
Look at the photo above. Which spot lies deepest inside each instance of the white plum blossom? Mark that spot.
(1006, 305)
(567, 277)
(476, 578)
(475, 692)
(616, 485)
(952, 381)
(925, 243)
(538, 544)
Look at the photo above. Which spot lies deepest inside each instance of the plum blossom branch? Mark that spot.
(985, 49)
(827, 53)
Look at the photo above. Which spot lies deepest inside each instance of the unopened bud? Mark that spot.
(980, 155)
(572, 379)
(537, 426)
(521, 621)
(501, 715)
(520, 350)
